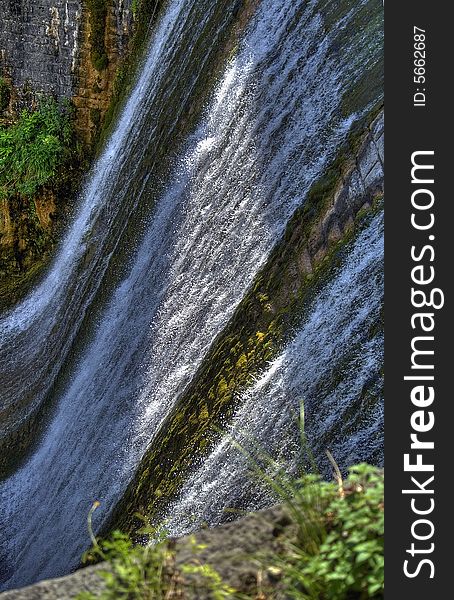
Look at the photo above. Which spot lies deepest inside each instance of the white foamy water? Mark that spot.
(266, 423)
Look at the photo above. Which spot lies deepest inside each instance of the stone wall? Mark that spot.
(45, 49)
(39, 43)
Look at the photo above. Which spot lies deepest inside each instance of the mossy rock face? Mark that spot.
(98, 22)
(368, 82)
(262, 324)
(145, 15)
(5, 95)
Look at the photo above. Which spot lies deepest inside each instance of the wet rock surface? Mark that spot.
(229, 549)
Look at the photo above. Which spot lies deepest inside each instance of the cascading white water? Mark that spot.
(36, 335)
(268, 132)
(266, 423)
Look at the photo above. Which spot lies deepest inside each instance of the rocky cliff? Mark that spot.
(68, 50)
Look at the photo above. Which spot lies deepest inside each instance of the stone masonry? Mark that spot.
(42, 44)
(39, 43)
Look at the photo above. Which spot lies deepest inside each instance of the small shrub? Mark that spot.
(335, 554)
(335, 551)
(148, 572)
(338, 554)
(134, 571)
(34, 148)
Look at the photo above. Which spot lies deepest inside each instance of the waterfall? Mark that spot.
(269, 129)
(266, 422)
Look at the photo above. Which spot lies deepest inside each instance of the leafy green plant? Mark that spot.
(345, 558)
(33, 149)
(333, 551)
(147, 571)
(337, 551)
(134, 571)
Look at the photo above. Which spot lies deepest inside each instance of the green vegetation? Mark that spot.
(338, 551)
(40, 164)
(334, 550)
(135, 571)
(98, 22)
(5, 94)
(33, 149)
(148, 572)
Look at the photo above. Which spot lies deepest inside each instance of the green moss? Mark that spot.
(371, 83)
(135, 7)
(98, 22)
(12, 286)
(360, 91)
(5, 95)
(145, 13)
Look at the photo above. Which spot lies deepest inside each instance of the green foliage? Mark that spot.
(98, 21)
(135, 571)
(335, 552)
(5, 94)
(147, 571)
(33, 149)
(339, 549)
